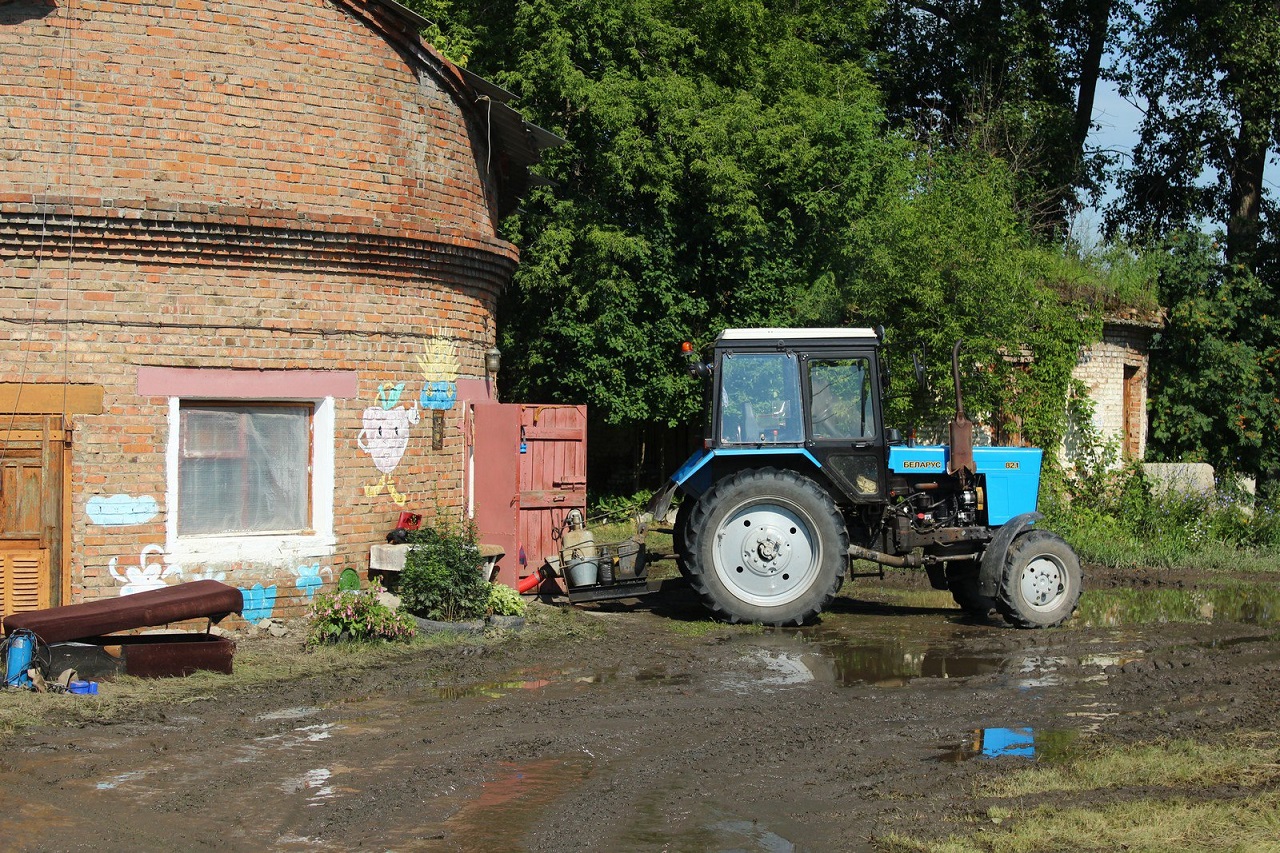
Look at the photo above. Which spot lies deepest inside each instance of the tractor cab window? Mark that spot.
(841, 392)
(760, 398)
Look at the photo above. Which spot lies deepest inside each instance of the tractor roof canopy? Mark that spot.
(809, 336)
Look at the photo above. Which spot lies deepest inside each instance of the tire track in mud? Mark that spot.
(626, 735)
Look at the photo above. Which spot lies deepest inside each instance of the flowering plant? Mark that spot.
(355, 616)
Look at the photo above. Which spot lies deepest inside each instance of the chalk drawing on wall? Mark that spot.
(439, 366)
(309, 579)
(205, 574)
(145, 575)
(259, 602)
(385, 435)
(121, 510)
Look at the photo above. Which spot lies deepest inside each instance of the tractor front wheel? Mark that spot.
(767, 546)
(1041, 583)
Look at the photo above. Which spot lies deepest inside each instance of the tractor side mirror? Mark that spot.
(917, 364)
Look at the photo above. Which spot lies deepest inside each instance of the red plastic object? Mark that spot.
(530, 583)
(408, 521)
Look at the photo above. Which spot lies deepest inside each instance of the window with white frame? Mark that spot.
(244, 468)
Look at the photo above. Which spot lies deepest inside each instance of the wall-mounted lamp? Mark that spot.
(492, 360)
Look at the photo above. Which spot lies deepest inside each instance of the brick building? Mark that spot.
(1114, 371)
(249, 261)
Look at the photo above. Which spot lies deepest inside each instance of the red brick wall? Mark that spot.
(269, 185)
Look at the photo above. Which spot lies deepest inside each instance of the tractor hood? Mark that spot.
(1012, 474)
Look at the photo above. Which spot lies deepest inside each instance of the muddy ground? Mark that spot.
(639, 727)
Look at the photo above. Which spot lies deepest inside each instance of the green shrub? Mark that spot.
(616, 507)
(505, 601)
(355, 616)
(441, 579)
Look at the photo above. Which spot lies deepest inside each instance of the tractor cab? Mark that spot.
(798, 475)
(808, 393)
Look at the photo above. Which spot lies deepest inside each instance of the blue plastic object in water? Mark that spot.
(21, 646)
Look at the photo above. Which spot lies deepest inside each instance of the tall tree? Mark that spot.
(1208, 72)
(1018, 77)
(729, 164)
(1216, 370)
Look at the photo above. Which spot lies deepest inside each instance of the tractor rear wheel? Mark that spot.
(1041, 583)
(680, 534)
(767, 546)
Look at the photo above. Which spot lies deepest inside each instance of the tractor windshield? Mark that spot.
(841, 391)
(760, 398)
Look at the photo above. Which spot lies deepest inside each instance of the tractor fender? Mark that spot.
(993, 558)
(660, 503)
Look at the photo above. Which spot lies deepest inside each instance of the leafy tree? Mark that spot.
(946, 258)
(729, 164)
(1209, 76)
(715, 152)
(1215, 377)
(1019, 78)
(1208, 73)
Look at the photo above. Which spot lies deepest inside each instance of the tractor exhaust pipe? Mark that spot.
(961, 428)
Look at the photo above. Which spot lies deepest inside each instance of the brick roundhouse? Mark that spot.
(249, 262)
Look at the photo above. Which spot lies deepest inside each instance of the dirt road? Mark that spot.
(640, 727)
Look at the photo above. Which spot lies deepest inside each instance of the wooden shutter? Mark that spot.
(25, 580)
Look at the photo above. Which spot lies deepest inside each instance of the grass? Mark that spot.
(1179, 807)
(706, 627)
(1249, 763)
(258, 662)
(1248, 825)
(1119, 551)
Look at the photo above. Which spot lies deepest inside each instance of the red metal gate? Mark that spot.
(528, 470)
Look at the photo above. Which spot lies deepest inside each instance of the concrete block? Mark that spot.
(1185, 477)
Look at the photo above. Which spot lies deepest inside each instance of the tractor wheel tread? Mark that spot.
(793, 490)
(1052, 551)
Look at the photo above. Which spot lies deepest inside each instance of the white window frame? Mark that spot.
(258, 547)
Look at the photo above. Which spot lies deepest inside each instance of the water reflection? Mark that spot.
(893, 661)
(1251, 604)
(1023, 741)
(508, 804)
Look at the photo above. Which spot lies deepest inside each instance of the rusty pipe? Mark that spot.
(909, 561)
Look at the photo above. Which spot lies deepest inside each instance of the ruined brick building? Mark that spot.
(249, 260)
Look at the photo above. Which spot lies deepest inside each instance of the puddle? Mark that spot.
(1020, 742)
(316, 784)
(288, 714)
(893, 661)
(700, 830)
(495, 819)
(749, 835)
(1254, 604)
(120, 779)
(525, 680)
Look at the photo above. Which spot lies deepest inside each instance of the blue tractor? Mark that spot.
(798, 476)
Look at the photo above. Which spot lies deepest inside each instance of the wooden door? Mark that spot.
(34, 464)
(553, 475)
(528, 469)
